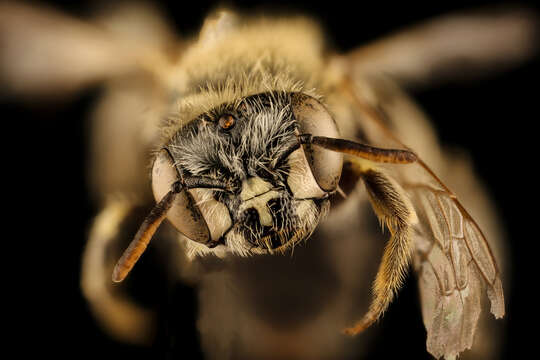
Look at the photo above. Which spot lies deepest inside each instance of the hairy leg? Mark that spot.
(395, 211)
(118, 315)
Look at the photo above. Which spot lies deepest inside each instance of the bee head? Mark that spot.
(275, 190)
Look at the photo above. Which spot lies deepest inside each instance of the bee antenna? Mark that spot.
(364, 151)
(144, 234)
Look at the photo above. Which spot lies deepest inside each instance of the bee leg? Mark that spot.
(395, 211)
(119, 316)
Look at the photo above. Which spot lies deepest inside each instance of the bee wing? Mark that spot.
(452, 258)
(46, 52)
(451, 47)
(454, 264)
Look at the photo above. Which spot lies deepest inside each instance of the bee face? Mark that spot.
(252, 143)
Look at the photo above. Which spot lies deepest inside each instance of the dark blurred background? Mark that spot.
(493, 118)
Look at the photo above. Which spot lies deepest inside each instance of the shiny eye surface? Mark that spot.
(314, 119)
(184, 214)
(227, 121)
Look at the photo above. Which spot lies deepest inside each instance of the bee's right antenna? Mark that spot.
(158, 213)
(144, 234)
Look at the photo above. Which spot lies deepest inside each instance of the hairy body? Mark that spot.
(271, 306)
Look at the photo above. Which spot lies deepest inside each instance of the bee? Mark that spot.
(254, 137)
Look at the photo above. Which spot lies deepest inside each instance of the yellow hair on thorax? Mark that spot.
(256, 56)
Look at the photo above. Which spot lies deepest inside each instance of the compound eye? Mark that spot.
(314, 119)
(227, 121)
(184, 214)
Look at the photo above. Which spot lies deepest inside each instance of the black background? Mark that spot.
(493, 118)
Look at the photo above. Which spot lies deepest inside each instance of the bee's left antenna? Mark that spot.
(368, 152)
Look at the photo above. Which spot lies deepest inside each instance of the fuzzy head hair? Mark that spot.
(276, 202)
(249, 74)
